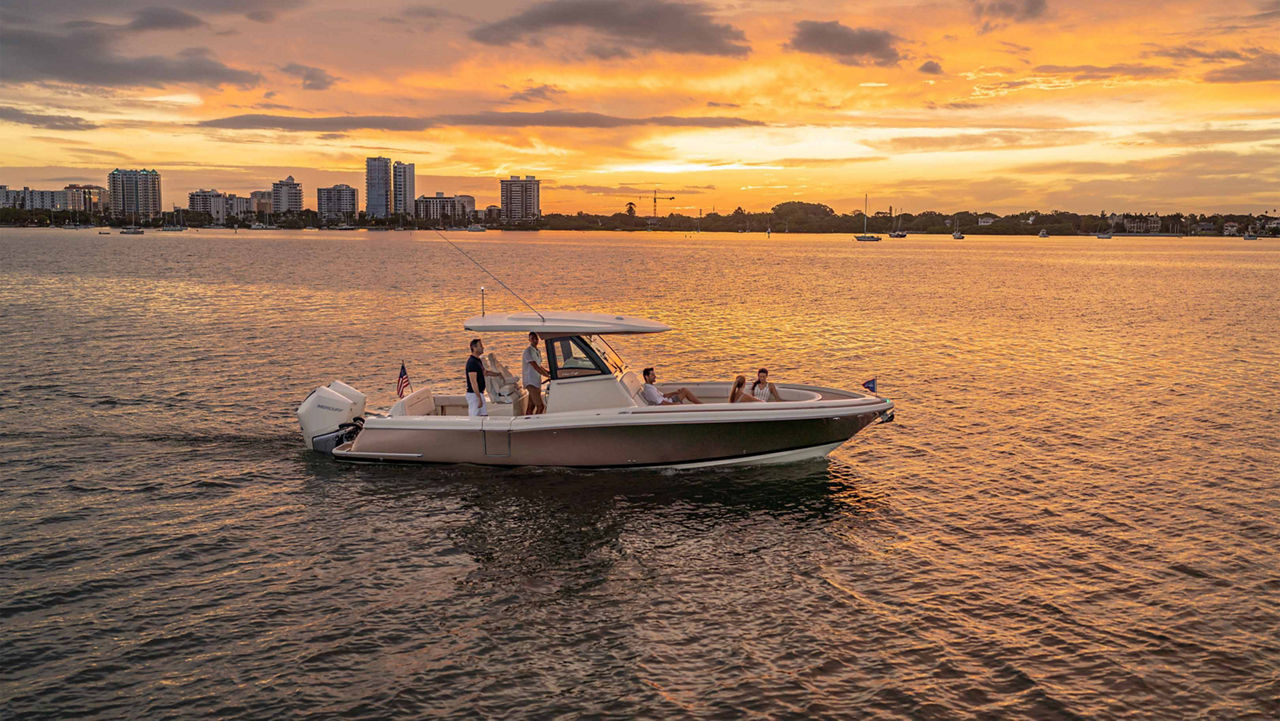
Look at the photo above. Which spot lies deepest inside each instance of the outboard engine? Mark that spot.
(331, 416)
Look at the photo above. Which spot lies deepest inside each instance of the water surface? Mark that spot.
(1074, 516)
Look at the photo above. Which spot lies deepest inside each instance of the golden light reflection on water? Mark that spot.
(1073, 513)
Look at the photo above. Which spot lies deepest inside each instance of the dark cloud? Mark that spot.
(1263, 68)
(1010, 9)
(851, 46)
(931, 67)
(643, 25)
(35, 9)
(1268, 9)
(608, 52)
(714, 104)
(429, 12)
(87, 57)
(999, 13)
(546, 119)
(48, 122)
(247, 7)
(1186, 52)
(312, 78)
(572, 119)
(993, 140)
(164, 19)
(1014, 48)
(318, 124)
(261, 16)
(536, 92)
(628, 190)
(1211, 136)
(1106, 72)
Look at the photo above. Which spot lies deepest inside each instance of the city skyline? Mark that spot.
(999, 106)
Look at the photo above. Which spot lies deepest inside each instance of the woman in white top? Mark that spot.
(762, 389)
(738, 393)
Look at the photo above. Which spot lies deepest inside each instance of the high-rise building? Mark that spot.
(135, 194)
(402, 193)
(377, 187)
(9, 198)
(520, 199)
(456, 209)
(208, 201)
(239, 207)
(340, 201)
(261, 200)
(286, 196)
(86, 198)
(42, 199)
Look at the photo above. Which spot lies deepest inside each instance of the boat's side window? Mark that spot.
(571, 358)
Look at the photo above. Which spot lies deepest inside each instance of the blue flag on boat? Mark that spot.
(870, 385)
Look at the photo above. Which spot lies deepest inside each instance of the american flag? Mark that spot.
(402, 383)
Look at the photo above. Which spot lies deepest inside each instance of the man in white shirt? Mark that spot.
(655, 397)
(532, 373)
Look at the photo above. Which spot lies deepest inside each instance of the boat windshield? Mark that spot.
(607, 354)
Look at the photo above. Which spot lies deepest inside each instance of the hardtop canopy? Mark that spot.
(563, 323)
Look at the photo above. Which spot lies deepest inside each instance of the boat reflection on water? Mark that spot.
(556, 530)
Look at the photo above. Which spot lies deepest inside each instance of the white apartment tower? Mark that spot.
(377, 187)
(520, 199)
(261, 200)
(457, 209)
(402, 193)
(90, 199)
(208, 201)
(286, 196)
(339, 201)
(135, 194)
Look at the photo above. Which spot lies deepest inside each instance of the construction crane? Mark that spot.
(654, 197)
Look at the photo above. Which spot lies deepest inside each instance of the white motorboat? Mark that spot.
(596, 415)
(1044, 233)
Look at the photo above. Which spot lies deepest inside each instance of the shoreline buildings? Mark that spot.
(520, 199)
(134, 194)
(457, 208)
(286, 196)
(402, 175)
(339, 201)
(208, 201)
(377, 187)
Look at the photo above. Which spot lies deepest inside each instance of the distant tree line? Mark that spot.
(800, 217)
(789, 217)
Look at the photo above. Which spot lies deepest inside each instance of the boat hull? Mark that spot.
(630, 442)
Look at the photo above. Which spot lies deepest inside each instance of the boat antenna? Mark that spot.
(491, 275)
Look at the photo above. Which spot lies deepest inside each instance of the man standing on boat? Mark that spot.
(532, 373)
(475, 380)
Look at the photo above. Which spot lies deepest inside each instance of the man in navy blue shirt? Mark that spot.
(475, 375)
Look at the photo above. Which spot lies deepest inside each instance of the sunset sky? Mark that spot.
(1002, 105)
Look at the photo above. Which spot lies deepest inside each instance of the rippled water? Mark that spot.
(1074, 516)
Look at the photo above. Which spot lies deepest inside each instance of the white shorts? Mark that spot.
(476, 405)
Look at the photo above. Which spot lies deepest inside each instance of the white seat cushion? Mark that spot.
(417, 403)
